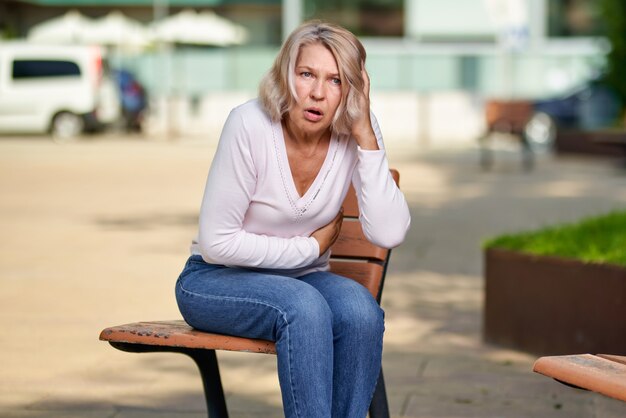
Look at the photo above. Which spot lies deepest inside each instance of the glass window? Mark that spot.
(453, 21)
(567, 18)
(44, 68)
(361, 17)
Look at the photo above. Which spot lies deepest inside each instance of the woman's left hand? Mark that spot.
(362, 127)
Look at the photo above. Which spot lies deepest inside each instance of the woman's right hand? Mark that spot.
(327, 235)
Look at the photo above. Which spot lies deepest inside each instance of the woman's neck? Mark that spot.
(304, 139)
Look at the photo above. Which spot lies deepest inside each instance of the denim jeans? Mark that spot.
(328, 331)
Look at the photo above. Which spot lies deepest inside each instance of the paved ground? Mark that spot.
(94, 234)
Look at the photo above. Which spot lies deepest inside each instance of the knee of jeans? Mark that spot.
(363, 315)
(309, 309)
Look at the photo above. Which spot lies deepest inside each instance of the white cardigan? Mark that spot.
(252, 216)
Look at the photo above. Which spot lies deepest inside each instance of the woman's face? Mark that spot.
(318, 90)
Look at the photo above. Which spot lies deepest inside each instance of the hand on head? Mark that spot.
(362, 127)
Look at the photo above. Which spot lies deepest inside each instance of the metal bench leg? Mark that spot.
(486, 154)
(528, 156)
(379, 407)
(212, 382)
(206, 360)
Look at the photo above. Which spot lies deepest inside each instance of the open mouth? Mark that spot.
(315, 112)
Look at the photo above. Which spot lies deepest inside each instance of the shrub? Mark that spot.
(600, 239)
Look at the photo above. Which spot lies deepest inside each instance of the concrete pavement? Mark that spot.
(95, 232)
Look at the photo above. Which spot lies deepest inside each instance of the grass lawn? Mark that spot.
(599, 239)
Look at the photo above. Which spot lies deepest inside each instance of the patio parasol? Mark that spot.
(117, 30)
(68, 28)
(205, 28)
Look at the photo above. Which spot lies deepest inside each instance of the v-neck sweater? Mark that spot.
(253, 217)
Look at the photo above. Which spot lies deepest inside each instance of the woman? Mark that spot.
(272, 209)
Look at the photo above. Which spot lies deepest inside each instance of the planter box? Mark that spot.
(597, 143)
(549, 305)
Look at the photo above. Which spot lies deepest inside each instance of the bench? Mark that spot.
(612, 139)
(353, 256)
(602, 373)
(511, 117)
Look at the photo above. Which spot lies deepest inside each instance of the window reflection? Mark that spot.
(568, 18)
(362, 17)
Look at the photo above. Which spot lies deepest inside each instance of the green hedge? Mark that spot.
(599, 239)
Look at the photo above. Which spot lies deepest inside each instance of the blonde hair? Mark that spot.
(277, 90)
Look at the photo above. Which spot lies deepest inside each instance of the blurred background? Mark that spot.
(181, 65)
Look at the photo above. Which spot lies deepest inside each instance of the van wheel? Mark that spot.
(66, 126)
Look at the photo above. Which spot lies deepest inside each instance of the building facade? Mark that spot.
(432, 60)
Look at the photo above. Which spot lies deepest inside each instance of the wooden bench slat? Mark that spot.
(512, 113)
(613, 357)
(350, 205)
(586, 371)
(352, 243)
(179, 334)
(368, 274)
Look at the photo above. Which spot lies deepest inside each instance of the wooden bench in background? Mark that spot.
(353, 256)
(511, 117)
(602, 373)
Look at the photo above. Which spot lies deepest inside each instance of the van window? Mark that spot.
(44, 68)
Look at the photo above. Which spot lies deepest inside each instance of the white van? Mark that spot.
(60, 89)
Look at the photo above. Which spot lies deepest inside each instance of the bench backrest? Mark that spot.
(353, 255)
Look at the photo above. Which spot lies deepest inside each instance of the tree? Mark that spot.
(614, 14)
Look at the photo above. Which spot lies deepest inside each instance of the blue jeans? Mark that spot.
(328, 331)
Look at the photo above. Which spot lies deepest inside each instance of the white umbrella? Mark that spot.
(116, 29)
(69, 28)
(205, 28)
